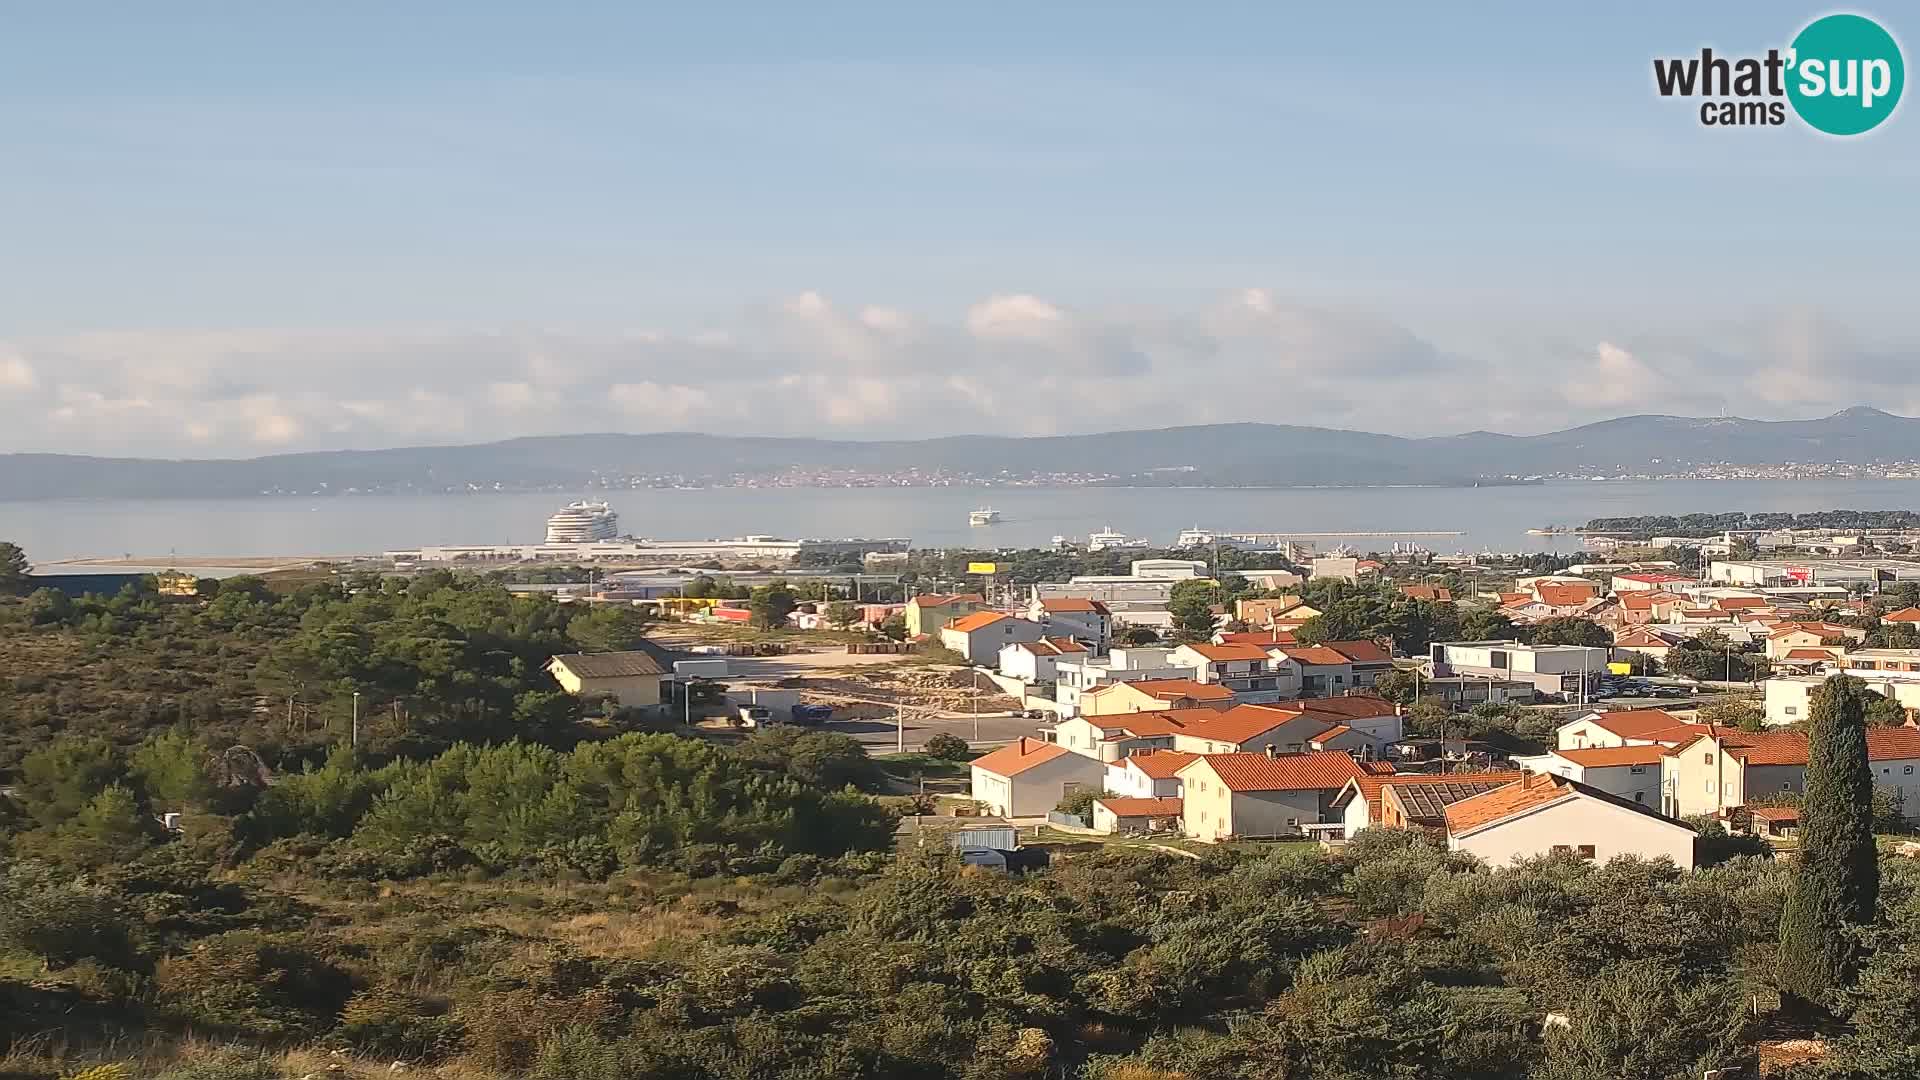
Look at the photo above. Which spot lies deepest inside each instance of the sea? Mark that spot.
(1476, 518)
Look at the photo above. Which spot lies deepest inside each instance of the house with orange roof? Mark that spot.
(1261, 795)
(1255, 637)
(1089, 622)
(1120, 814)
(1034, 661)
(1262, 613)
(1360, 724)
(1435, 594)
(1153, 695)
(1113, 737)
(1650, 581)
(1722, 768)
(1324, 670)
(1787, 636)
(1246, 669)
(1623, 727)
(927, 613)
(1029, 777)
(1906, 616)
(1641, 641)
(979, 637)
(1147, 774)
(1809, 660)
(1542, 814)
(1366, 802)
(1631, 772)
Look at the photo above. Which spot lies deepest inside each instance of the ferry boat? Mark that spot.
(583, 522)
(1108, 539)
(986, 515)
(1195, 537)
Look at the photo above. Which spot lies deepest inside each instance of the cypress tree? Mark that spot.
(1836, 878)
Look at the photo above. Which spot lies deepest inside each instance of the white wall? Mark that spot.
(1611, 830)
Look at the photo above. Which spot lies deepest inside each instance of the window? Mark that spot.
(1788, 786)
(1793, 710)
(1293, 823)
(1709, 787)
(1636, 770)
(1907, 771)
(1562, 849)
(1639, 796)
(1586, 851)
(1706, 759)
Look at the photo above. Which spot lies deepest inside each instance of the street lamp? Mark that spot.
(356, 720)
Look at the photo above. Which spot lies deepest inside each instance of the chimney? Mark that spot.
(1271, 751)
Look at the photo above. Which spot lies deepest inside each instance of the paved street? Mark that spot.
(994, 729)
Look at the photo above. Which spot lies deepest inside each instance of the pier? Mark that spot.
(1270, 536)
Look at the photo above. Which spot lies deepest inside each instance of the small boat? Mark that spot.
(986, 515)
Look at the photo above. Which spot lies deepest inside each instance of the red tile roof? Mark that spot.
(1170, 689)
(1072, 604)
(1240, 723)
(1321, 771)
(1904, 615)
(1813, 654)
(1147, 725)
(1560, 594)
(1530, 792)
(946, 599)
(979, 620)
(1361, 652)
(1316, 656)
(1370, 786)
(1655, 579)
(1158, 764)
(1019, 756)
(1426, 804)
(1331, 733)
(1055, 646)
(1164, 806)
(1437, 593)
(1736, 603)
(1603, 757)
(1635, 723)
(1515, 597)
(1775, 813)
(1639, 637)
(1221, 653)
(1258, 637)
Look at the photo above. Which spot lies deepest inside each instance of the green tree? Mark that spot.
(841, 614)
(1397, 686)
(171, 770)
(608, 629)
(1836, 878)
(1485, 624)
(894, 627)
(1745, 715)
(60, 778)
(771, 604)
(948, 746)
(13, 569)
(109, 830)
(1191, 605)
(1135, 634)
(1571, 630)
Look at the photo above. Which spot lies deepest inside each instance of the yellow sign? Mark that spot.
(1618, 668)
(982, 567)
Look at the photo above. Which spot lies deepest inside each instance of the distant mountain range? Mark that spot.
(1221, 455)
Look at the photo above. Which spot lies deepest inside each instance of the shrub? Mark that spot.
(247, 983)
(948, 746)
(231, 1064)
(392, 1024)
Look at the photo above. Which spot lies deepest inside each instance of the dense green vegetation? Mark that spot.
(1835, 879)
(1714, 524)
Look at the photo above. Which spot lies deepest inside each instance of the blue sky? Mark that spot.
(237, 228)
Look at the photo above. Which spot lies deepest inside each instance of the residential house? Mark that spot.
(1115, 737)
(1542, 814)
(1365, 802)
(1028, 777)
(1624, 727)
(1723, 769)
(1149, 695)
(1148, 774)
(980, 636)
(928, 613)
(1262, 613)
(1086, 621)
(1119, 814)
(1247, 670)
(1260, 795)
(1650, 581)
(1632, 644)
(1361, 724)
(1366, 661)
(1120, 665)
(1438, 594)
(1788, 636)
(1324, 671)
(1333, 566)
(1861, 661)
(1906, 616)
(1629, 772)
(630, 679)
(1789, 698)
(1035, 661)
(1263, 638)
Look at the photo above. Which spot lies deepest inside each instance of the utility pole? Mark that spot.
(356, 719)
(899, 731)
(976, 704)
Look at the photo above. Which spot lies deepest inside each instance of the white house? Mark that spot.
(1552, 669)
(1028, 778)
(1625, 727)
(1246, 669)
(1113, 737)
(1147, 774)
(1086, 621)
(1630, 772)
(1074, 678)
(1124, 815)
(1390, 799)
(980, 636)
(1035, 661)
(1542, 814)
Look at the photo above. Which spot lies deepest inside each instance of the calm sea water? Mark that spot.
(1492, 518)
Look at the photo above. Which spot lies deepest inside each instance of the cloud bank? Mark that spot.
(811, 365)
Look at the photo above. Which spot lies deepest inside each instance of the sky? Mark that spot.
(237, 229)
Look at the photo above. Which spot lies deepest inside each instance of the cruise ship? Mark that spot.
(582, 523)
(986, 515)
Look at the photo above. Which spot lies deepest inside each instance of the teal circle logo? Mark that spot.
(1845, 74)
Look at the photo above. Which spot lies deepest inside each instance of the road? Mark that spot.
(995, 729)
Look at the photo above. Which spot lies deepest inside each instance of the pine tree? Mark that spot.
(1836, 878)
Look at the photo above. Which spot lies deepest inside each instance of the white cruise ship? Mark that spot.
(582, 523)
(1107, 539)
(986, 515)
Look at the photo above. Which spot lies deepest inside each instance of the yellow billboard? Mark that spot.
(982, 567)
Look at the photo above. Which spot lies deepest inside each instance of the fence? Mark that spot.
(879, 648)
(1071, 821)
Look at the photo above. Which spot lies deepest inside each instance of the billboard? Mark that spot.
(1800, 574)
(982, 567)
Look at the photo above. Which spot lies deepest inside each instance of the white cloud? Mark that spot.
(1010, 363)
